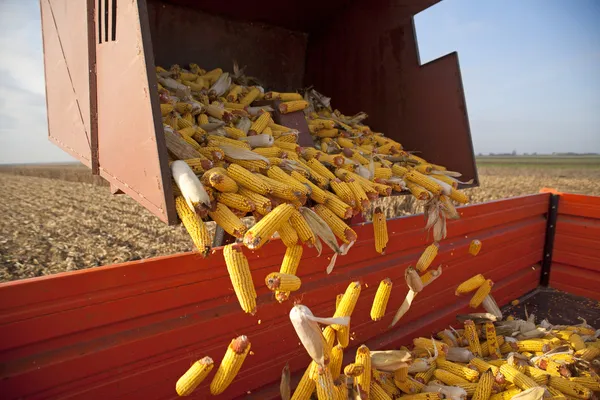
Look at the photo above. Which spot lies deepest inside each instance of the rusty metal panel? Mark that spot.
(181, 35)
(130, 330)
(377, 70)
(576, 256)
(68, 76)
(131, 147)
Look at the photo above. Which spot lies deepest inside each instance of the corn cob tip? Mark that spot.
(240, 344)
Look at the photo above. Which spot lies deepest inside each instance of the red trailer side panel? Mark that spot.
(576, 257)
(130, 330)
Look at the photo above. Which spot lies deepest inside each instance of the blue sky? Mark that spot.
(531, 71)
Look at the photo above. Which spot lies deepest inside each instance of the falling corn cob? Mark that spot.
(348, 302)
(194, 225)
(427, 257)
(277, 281)
(481, 293)
(232, 362)
(194, 376)
(475, 247)
(380, 230)
(382, 297)
(241, 278)
(260, 233)
(470, 284)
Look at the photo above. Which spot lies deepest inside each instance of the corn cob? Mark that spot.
(570, 388)
(418, 192)
(194, 376)
(470, 284)
(423, 396)
(329, 336)
(220, 181)
(362, 200)
(381, 299)
(470, 388)
(459, 196)
(250, 96)
(427, 257)
(474, 247)
(492, 341)
(429, 276)
(380, 230)
(428, 344)
(317, 194)
(343, 336)
(282, 190)
(261, 232)
(425, 377)
(259, 125)
(194, 225)
(410, 386)
(484, 386)
(363, 358)
(292, 106)
(590, 382)
(247, 179)
(305, 234)
(202, 119)
(289, 265)
(343, 191)
(282, 282)
(401, 374)
(577, 342)
(481, 293)
(533, 345)
(335, 361)
(424, 181)
(307, 385)
(348, 302)
(472, 338)
(337, 206)
(337, 225)
(287, 234)
(241, 278)
(590, 353)
(324, 382)
(556, 394)
(459, 370)
(216, 141)
(237, 201)
(232, 362)
(448, 377)
(483, 366)
(376, 392)
(516, 377)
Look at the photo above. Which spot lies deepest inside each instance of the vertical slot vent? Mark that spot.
(106, 13)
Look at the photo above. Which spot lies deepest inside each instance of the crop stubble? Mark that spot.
(52, 225)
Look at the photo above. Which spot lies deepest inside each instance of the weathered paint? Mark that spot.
(131, 330)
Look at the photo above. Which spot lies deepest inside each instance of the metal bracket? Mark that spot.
(549, 241)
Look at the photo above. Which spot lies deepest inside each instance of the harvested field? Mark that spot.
(63, 224)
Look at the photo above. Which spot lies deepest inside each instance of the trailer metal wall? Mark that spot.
(576, 258)
(130, 330)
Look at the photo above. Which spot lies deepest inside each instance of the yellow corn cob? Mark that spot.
(212, 153)
(424, 168)
(482, 365)
(470, 284)
(473, 338)
(286, 96)
(380, 230)
(215, 141)
(289, 265)
(590, 382)
(191, 142)
(259, 125)
(337, 206)
(410, 386)
(556, 394)
(276, 173)
(481, 293)
(342, 189)
(399, 170)
(428, 344)
(362, 200)
(183, 108)
(218, 113)
(165, 109)
(190, 131)
(424, 181)
(363, 357)
(194, 376)
(417, 191)
(292, 106)
(492, 341)
(448, 377)
(401, 374)
(446, 179)
(234, 133)
(227, 220)
(250, 96)
(287, 234)
(348, 302)
(538, 375)
(326, 133)
(425, 377)
(247, 179)
(577, 342)
(484, 386)
(184, 123)
(381, 299)
(384, 173)
(262, 231)
(427, 257)
(202, 119)
(321, 180)
(337, 225)
(261, 203)
(347, 144)
(268, 151)
(343, 336)
(507, 347)
(239, 272)
(516, 377)
(194, 225)
(423, 396)
(232, 362)
(316, 165)
(376, 392)
(307, 385)
(250, 165)
(428, 276)
(590, 353)
(470, 388)
(302, 228)
(533, 345)
(335, 361)
(459, 370)
(506, 395)
(282, 282)
(281, 190)
(237, 201)
(220, 181)
(474, 247)
(317, 194)
(570, 388)
(459, 196)
(329, 336)
(325, 387)
(354, 369)
(234, 92)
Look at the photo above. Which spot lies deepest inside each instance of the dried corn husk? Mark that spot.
(459, 354)
(535, 393)
(449, 392)
(410, 296)
(284, 387)
(413, 280)
(309, 333)
(490, 305)
(238, 153)
(262, 140)
(190, 186)
(390, 360)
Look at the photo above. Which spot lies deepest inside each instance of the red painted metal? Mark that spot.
(101, 81)
(576, 258)
(129, 330)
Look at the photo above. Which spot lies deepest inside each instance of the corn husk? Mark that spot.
(436, 273)
(190, 186)
(490, 305)
(534, 393)
(452, 337)
(221, 85)
(309, 333)
(459, 354)
(244, 124)
(390, 360)
(446, 188)
(449, 392)
(284, 386)
(181, 90)
(478, 318)
(214, 126)
(410, 297)
(262, 140)
(413, 280)
(238, 153)
(254, 111)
